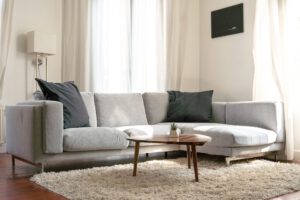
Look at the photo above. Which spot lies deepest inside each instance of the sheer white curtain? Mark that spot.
(110, 36)
(182, 44)
(276, 46)
(127, 45)
(76, 44)
(131, 45)
(148, 67)
(6, 14)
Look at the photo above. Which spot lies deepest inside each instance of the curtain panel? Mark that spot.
(182, 45)
(6, 9)
(76, 44)
(131, 45)
(276, 46)
(128, 47)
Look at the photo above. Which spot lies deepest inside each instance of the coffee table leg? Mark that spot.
(188, 153)
(194, 152)
(136, 157)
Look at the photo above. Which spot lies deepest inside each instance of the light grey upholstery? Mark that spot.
(132, 132)
(24, 131)
(52, 124)
(268, 115)
(88, 99)
(219, 112)
(189, 127)
(146, 130)
(92, 158)
(156, 129)
(120, 109)
(156, 106)
(224, 135)
(35, 129)
(94, 138)
(234, 136)
(238, 151)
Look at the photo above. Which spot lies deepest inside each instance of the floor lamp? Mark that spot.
(42, 45)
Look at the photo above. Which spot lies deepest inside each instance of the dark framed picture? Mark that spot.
(227, 21)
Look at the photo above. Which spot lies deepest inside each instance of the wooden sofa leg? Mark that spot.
(275, 157)
(13, 162)
(42, 168)
(166, 154)
(248, 156)
(147, 155)
(227, 160)
(14, 158)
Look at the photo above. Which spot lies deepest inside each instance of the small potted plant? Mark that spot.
(174, 131)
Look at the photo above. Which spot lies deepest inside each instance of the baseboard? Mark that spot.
(297, 154)
(3, 148)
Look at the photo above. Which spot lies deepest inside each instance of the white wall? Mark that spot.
(226, 63)
(40, 15)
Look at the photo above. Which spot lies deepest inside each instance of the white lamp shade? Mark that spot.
(41, 43)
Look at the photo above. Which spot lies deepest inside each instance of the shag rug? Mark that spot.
(171, 179)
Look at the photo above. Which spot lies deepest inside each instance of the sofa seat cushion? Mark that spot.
(145, 130)
(94, 138)
(224, 135)
(188, 127)
(237, 136)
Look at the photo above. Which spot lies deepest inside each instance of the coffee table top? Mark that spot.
(182, 139)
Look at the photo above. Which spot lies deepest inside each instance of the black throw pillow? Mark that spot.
(75, 112)
(189, 106)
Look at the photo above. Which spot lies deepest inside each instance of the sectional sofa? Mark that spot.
(35, 131)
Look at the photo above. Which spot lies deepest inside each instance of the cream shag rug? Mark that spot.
(171, 179)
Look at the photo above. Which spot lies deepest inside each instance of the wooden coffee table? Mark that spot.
(190, 140)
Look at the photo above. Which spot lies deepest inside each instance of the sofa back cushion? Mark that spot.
(120, 109)
(89, 101)
(219, 112)
(267, 115)
(156, 106)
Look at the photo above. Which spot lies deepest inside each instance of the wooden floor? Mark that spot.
(15, 186)
(18, 186)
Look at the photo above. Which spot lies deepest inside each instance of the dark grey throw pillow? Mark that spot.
(189, 106)
(75, 112)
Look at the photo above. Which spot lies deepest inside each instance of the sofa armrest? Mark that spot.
(24, 131)
(52, 125)
(268, 115)
(48, 135)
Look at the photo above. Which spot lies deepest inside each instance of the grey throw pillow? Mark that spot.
(75, 112)
(189, 106)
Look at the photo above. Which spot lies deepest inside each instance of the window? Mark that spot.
(127, 45)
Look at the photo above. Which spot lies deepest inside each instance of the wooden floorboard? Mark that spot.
(17, 186)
